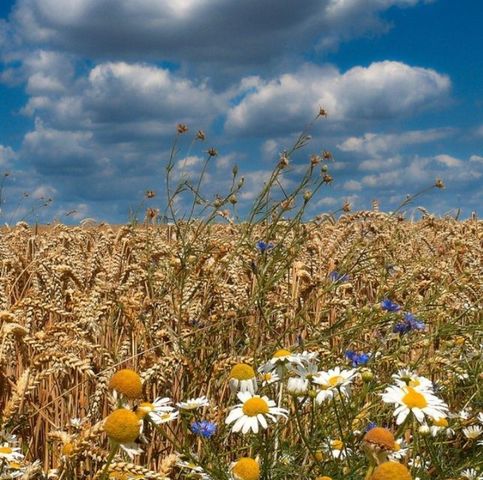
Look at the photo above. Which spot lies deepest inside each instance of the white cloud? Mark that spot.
(352, 185)
(6, 156)
(380, 163)
(224, 31)
(448, 160)
(375, 144)
(382, 90)
(476, 158)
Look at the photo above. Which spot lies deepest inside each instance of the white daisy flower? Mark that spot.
(269, 378)
(306, 357)
(473, 432)
(132, 449)
(158, 412)
(253, 410)
(243, 379)
(337, 449)
(10, 454)
(281, 358)
(332, 382)
(419, 402)
(418, 463)
(412, 379)
(471, 474)
(195, 470)
(300, 384)
(193, 403)
(400, 450)
(480, 417)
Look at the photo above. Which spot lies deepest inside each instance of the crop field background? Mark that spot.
(182, 306)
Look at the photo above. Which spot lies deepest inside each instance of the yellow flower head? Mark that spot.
(281, 353)
(380, 438)
(122, 426)
(127, 382)
(246, 468)
(325, 477)
(391, 471)
(242, 371)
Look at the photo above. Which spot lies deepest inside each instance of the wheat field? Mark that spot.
(183, 307)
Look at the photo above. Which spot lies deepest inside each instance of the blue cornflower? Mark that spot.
(357, 358)
(338, 277)
(410, 322)
(264, 246)
(370, 426)
(415, 323)
(204, 428)
(386, 304)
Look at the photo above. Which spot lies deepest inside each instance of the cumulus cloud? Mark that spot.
(6, 156)
(383, 90)
(225, 31)
(375, 144)
(476, 158)
(448, 160)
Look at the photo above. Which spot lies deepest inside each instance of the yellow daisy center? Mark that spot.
(414, 399)
(414, 383)
(325, 477)
(122, 426)
(396, 447)
(127, 382)
(6, 450)
(391, 471)
(267, 377)
(335, 380)
(281, 353)
(254, 406)
(143, 409)
(380, 437)
(246, 469)
(241, 371)
(14, 465)
(440, 422)
(337, 444)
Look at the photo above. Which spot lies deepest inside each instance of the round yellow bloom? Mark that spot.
(380, 437)
(281, 353)
(325, 477)
(440, 422)
(254, 406)
(414, 399)
(242, 371)
(391, 471)
(122, 426)
(127, 382)
(246, 468)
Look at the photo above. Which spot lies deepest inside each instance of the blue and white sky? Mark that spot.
(91, 92)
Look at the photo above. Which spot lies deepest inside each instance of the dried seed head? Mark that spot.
(181, 128)
(232, 199)
(347, 207)
(439, 183)
(283, 161)
(200, 135)
(326, 155)
(150, 194)
(327, 178)
(212, 152)
(314, 160)
(322, 112)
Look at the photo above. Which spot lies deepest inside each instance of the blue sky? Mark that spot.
(90, 96)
